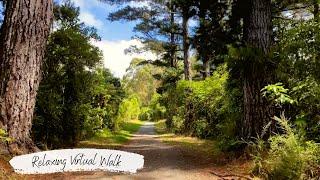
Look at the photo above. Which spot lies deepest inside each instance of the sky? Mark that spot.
(116, 36)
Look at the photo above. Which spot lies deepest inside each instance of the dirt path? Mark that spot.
(161, 160)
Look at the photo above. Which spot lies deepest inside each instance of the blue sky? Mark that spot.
(116, 36)
(95, 13)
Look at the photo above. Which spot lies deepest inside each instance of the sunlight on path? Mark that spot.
(161, 160)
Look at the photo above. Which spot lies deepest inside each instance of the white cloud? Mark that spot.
(85, 14)
(86, 3)
(139, 4)
(79, 3)
(91, 4)
(115, 58)
(90, 20)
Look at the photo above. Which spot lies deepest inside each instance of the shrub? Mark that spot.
(206, 105)
(289, 156)
(202, 128)
(177, 124)
(129, 109)
(145, 114)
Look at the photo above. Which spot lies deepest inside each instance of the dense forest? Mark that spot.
(241, 72)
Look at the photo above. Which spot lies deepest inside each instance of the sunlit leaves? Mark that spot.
(277, 93)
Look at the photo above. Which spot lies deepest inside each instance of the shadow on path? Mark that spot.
(162, 161)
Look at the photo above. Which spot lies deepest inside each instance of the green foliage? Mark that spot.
(129, 109)
(155, 111)
(278, 94)
(298, 56)
(209, 105)
(4, 136)
(77, 96)
(139, 80)
(298, 69)
(105, 138)
(289, 156)
(145, 114)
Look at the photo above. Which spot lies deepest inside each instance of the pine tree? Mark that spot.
(24, 34)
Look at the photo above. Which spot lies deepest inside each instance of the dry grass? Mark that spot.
(207, 148)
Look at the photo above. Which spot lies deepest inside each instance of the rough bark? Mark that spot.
(186, 45)
(24, 33)
(257, 71)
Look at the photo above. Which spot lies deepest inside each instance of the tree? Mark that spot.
(187, 12)
(211, 39)
(139, 80)
(77, 96)
(24, 34)
(258, 70)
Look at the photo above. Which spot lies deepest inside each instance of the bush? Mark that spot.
(129, 109)
(145, 114)
(177, 123)
(206, 106)
(94, 121)
(289, 156)
(201, 128)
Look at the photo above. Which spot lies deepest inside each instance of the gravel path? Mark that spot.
(161, 160)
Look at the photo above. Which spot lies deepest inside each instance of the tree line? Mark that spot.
(245, 35)
(242, 72)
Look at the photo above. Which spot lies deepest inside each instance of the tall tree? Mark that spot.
(24, 34)
(257, 72)
(173, 46)
(187, 10)
(139, 80)
(210, 39)
(186, 43)
(73, 89)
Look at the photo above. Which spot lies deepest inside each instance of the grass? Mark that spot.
(107, 139)
(103, 139)
(206, 147)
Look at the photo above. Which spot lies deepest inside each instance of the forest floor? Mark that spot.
(166, 157)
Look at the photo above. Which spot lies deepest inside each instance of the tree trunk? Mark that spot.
(203, 51)
(257, 71)
(206, 66)
(186, 45)
(24, 33)
(173, 62)
(189, 114)
(316, 10)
